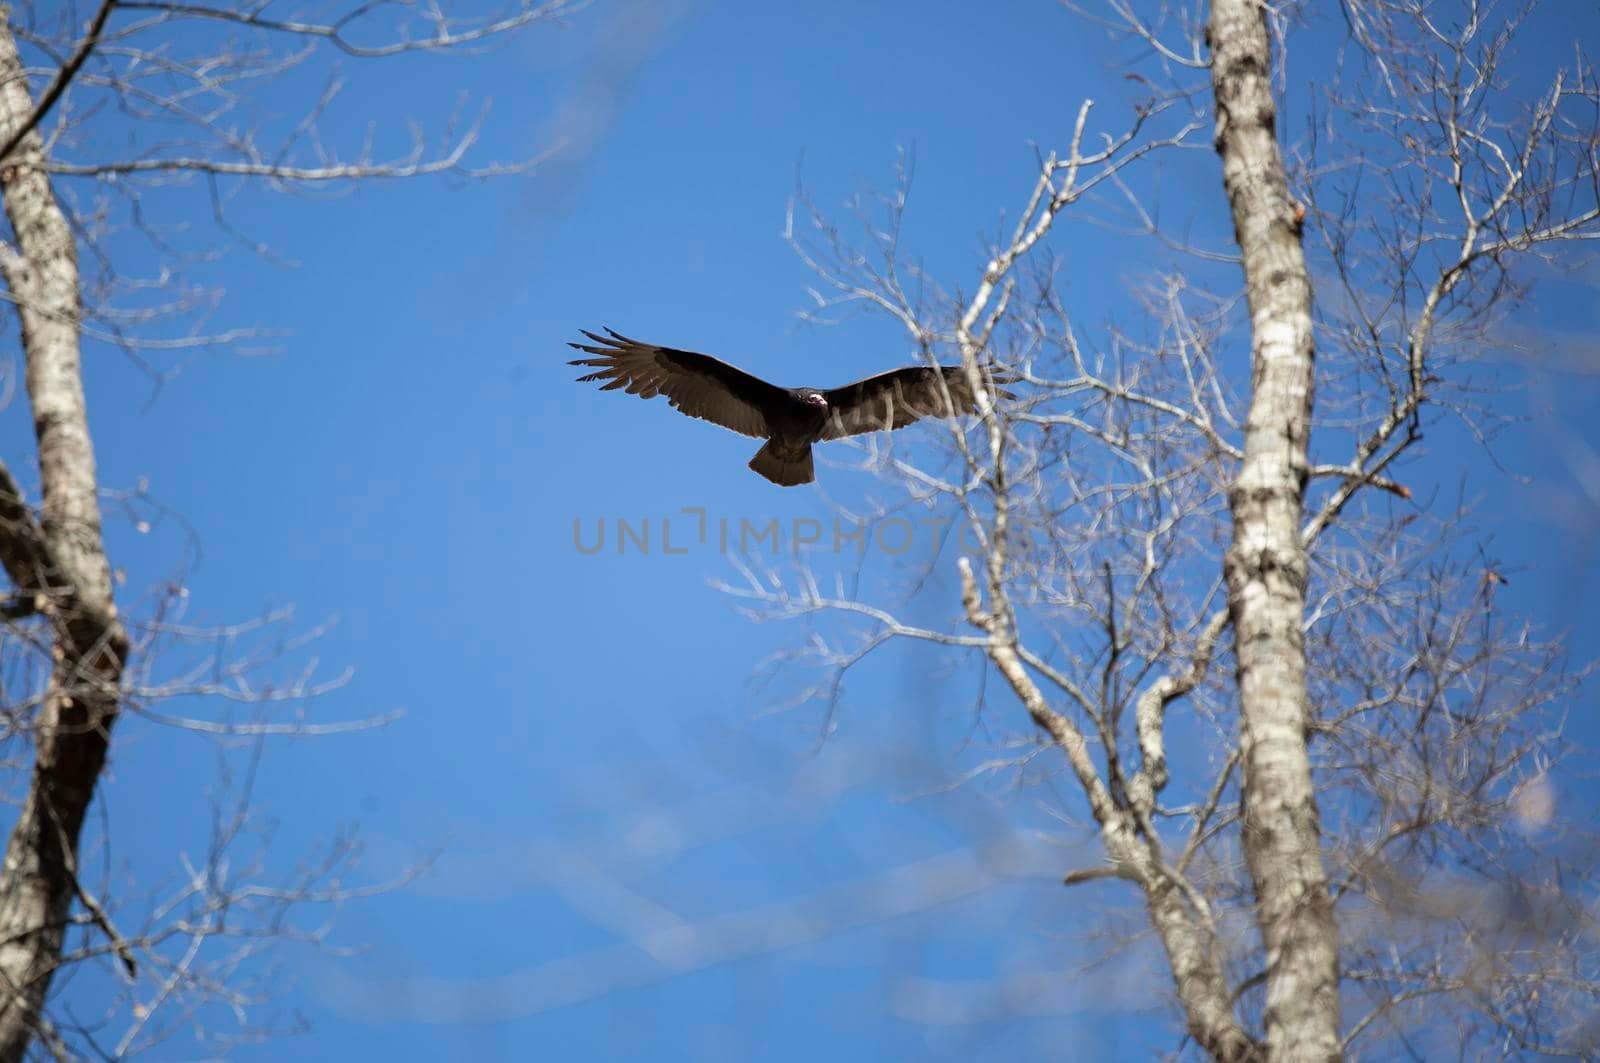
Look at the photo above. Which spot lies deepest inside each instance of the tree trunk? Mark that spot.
(59, 563)
(1266, 564)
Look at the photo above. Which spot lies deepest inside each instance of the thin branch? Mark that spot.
(58, 84)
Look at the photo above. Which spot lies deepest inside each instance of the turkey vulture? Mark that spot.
(789, 419)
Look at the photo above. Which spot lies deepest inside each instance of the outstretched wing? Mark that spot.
(695, 384)
(895, 399)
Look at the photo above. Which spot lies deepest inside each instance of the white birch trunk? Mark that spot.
(61, 561)
(1266, 564)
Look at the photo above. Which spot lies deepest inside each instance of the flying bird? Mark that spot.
(789, 419)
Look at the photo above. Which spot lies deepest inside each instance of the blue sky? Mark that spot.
(412, 459)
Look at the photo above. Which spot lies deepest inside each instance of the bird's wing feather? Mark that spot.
(897, 398)
(695, 384)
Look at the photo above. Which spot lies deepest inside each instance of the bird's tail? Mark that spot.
(784, 467)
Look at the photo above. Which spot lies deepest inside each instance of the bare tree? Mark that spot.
(1146, 521)
(181, 85)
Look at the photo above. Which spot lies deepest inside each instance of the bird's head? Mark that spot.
(814, 398)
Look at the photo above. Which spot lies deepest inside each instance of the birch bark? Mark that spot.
(60, 560)
(1266, 564)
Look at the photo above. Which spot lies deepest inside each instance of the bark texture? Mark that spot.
(58, 561)
(1266, 564)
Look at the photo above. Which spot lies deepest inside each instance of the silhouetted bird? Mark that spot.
(789, 419)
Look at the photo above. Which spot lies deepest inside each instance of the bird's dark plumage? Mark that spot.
(790, 419)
